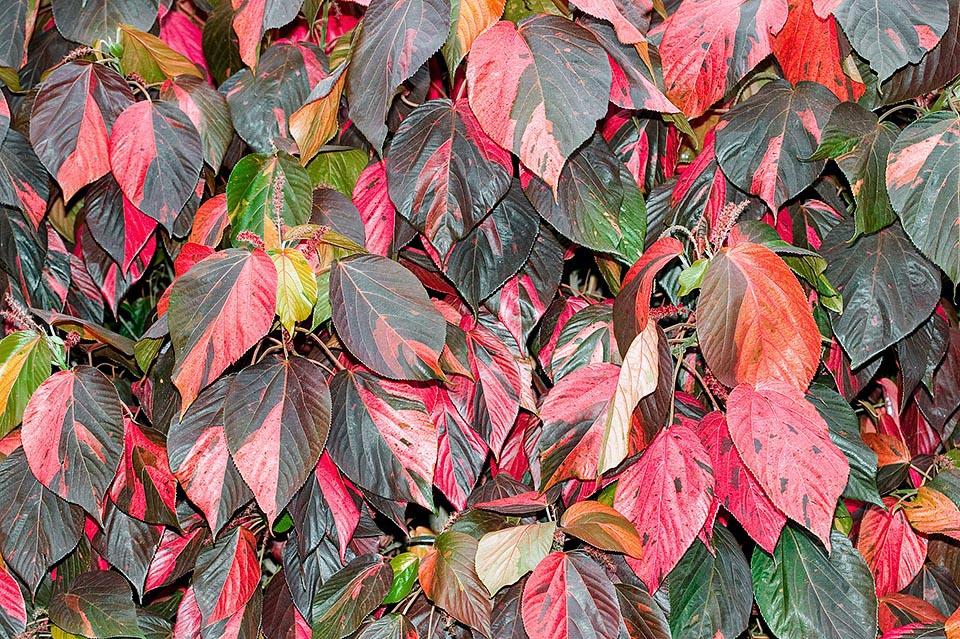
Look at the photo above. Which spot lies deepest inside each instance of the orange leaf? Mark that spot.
(602, 526)
(932, 512)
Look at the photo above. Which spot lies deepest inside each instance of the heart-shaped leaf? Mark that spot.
(449, 578)
(894, 552)
(96, 604)
(276, 416)
(541, 122)
(384, 317)
(601, 526)
(73, 436)
(504, 556)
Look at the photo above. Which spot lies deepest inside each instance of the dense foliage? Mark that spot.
(482, 318)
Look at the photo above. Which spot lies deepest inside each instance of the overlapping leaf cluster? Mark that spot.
(482, 318)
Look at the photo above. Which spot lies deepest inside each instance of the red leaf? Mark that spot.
(71, 122)
(116, 224)
(808, 48)
(785, 443)
(346, 515)
(276, 417)
(210, 221)
(542, 122)
(253, 18)
(156, 156)
(893, 551)
(218, 310)
(568, 596)
(667, 495)
(201, 462)
(737, 489)
(226, 575)
(574, 415)
(376, 210)
(632, 306)
(709, 45)
(73, 436)
(13, 610)
(630, 18)
(460, 451)
(754, 321)
(175, 557)
(145, 487)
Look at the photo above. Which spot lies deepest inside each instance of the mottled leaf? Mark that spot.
(96, 604)
(504, 556)
(449, 578)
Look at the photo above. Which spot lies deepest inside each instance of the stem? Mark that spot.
(413, 597)
(703, 384)
(326, 350)
(902, 107)
(765, 75)
(673, 396)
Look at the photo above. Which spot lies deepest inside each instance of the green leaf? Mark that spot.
(692, 276)
(25, 360)
(346, 598)
(845, 433)
(710, 593)
(96, 604)
(506, 555)
(405, 567)
(338, 169)
(150, 56)
(261, 183)
(803, 593)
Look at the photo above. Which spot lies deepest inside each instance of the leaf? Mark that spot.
(281, 619)
(390, 626)
(128, 544)
(888, 289)
(443, 173)
(150, 56)
(145, 487)
(201, 461)
(494, 250)
(316, 122)
(219, 309)
(504, 556)
(450, 580)
(339, 170)
(637, 82)
(115, 223)
(405, 568)
(584, 202)
(891, 549)
(934, 70)
(802, 593)
(384, 317)
(708, 46)
(754, 321)
(208, 111)
(96, 604)
(276, 416)
(769, 161)
(845, 433)
(263, 188)
(253, 18)
(296, 286)
(710, 592)
(381, 437)
(470, 18)
(932, 512)
(386, 54)
(667, 495)
(585, 338)
(18, 21)
(99, 19)
(345, 599)
(601, 526)
(638, 378)
(890, 37)
(785, 443)
(37, 528)
(262, 100)
(923, 163)
(737, 490)
(13, 611)
(541, 122)
(226, 575)
(630, 19)
(155, 155)
(568, 595)
(23, 182)
(71, 120)
(324, 507)
(574, 416)
(808, 48)
(860, 143)
(25, 359)
(631, 308)
(642, 617)
(73, 436)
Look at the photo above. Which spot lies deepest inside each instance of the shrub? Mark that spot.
(612, 318)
